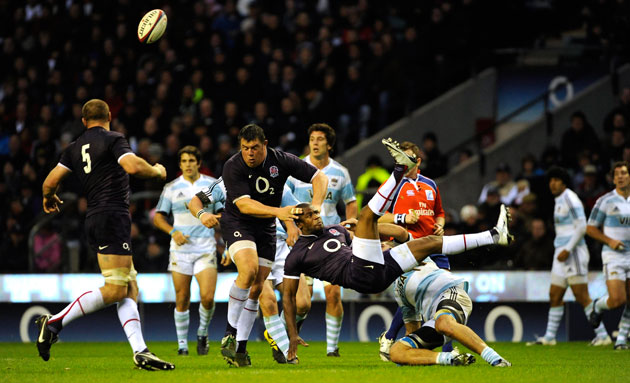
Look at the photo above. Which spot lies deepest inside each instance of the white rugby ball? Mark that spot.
(152, 26)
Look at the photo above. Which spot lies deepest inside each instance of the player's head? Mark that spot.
(620, 175)
(96, 112)
(309, 222)
(321, 139)
(189, 159)
(558, 180)
(413, 149)
(253, 145)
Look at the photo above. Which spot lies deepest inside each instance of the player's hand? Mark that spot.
(51, 204)
(615, 244)
(288, 212)
(209, 220)
(292, 234)
(225, 258)
(350, 223)
(292, 354)
(564, 254)
(302, 342)
(180, 238)
(162, 171)
(438, 229)
(411, 217)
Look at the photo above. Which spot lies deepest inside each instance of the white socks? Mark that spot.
(182, 320)
(86, 303)
(553, 322)
(130, 320)
(380, 202)
(246, 320)
(237, 300)
(204, 319)
(455, 244)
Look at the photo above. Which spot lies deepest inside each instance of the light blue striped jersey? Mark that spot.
(288, 199)
(418, 290)
(568, 216)
(339, 189)
(175, 198)
(612, 213)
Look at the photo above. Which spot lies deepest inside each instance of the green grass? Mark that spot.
(573, 362)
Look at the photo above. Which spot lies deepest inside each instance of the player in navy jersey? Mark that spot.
(103, 160)
(331, 254)
(254, 180)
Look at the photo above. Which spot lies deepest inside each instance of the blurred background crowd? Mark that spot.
(358, 65)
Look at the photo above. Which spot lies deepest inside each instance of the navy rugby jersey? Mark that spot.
(94, 158)
(324, 257)
(263, 183)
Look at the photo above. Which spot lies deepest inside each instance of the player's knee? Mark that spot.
(615, 301)
(333, 295)
(397, 351)
(445, 324)
(207, 299)
(303, 305)
(113, 293)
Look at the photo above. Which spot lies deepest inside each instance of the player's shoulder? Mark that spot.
(608, 197)
(338, 166)
(207, 180)
(170, 185)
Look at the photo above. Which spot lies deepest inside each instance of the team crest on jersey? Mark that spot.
(334, 232)
(273, 171)
(429, 194)
(333, 182)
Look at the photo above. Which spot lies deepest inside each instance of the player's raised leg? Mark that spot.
(275, 333)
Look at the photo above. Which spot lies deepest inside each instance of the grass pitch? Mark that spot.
(573, 362)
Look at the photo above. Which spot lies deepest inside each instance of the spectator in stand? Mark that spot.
(590, 189)
(578, 138)
(622, 109)
(375, 174)
(537, 250)
(613, 149)
(502, 184)
(435, 164)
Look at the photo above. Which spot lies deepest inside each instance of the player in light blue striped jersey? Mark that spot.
(193, 246)
(321, 142)
(570, 259)
(436, 307)
(609, 223)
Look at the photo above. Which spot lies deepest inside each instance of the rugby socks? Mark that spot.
(182, 320)
(553, 322)
(130, 320)
(333, 330)
(380, 202)
(299, 320)
(455, 244)
(205, 316)
(236, 301)
(245, 324)
(278, 332)
(490, 356)
(86, 303)
(624, 326)
(444, 358)
(601, 304)
(600, 331)
(396, 325)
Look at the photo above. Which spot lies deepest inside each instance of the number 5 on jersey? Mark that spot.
(86, 158)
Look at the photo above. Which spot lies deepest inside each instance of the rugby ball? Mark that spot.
(152, 26)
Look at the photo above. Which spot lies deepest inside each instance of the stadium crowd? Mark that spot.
(358, 65)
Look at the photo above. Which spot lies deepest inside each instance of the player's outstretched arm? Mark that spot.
(254, 208)
(138, 167)
(290, 287)
(390, 230)
(51, 201)
(320, 186)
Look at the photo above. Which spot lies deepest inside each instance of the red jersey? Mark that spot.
(423, 197)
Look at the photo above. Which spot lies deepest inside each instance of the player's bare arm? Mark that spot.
(409, 219)
(597, 234)
(320, 186)
(438, 227)
(390, 230)
(292, 232)
(51, 201)
(209, 220)
(254, 208)
(138, 167)
(159, 221)
(351, 209)
(290, 287)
